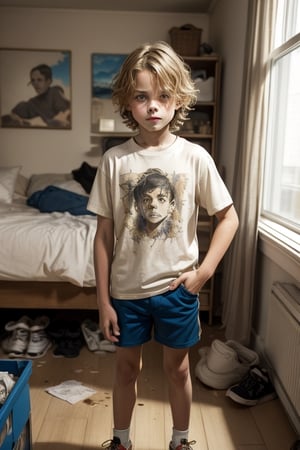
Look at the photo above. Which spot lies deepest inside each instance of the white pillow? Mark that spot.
(8, 178)
(21, 185)
(38, 182)
(73, 186)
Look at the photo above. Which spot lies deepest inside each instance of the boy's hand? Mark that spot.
(109, 323)
(193, 280)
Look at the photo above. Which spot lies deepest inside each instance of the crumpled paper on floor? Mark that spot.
(71, 391)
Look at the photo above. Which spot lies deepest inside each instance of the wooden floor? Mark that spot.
(217, 423)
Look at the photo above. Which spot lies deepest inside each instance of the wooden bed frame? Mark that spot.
(46, 295)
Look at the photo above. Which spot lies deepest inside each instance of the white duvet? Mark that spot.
(38, 246)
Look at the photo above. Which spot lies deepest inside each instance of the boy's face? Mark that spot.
(39, 82)
(151, 106)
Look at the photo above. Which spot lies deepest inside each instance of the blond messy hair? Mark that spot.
(171, 73)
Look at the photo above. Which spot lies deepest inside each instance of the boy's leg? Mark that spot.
(127, 368)
(177, 370)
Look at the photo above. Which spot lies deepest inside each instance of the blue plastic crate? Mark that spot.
(15, 412)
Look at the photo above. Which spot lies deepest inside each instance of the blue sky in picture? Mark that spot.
(61, 69)
(104, 68)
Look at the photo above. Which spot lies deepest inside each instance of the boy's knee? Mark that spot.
(177, 375)
(127, 373)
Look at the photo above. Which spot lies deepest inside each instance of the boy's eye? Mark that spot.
(140, 97)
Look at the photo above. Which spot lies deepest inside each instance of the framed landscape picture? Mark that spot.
(104, 118)
(35, 88)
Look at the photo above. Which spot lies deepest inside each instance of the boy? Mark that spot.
(151, 284)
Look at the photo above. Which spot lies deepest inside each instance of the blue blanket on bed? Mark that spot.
(55, 199)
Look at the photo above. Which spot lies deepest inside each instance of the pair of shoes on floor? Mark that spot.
(256, 387)
(94, 339)
(27, 338)
(224, 363)
(67, 338)
(115, 444)
(184, 445)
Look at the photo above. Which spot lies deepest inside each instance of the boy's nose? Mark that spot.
(152, 108)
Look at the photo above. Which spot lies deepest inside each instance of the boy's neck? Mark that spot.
(155, 141)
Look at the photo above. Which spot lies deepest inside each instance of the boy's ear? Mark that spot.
(178, 105)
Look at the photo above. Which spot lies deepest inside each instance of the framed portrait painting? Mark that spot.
(103, 115)
(35, 88)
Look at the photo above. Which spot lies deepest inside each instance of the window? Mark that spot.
(281, 190)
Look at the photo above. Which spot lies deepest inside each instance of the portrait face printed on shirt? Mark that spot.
(39, 82)
(152, 202)
(155, 205)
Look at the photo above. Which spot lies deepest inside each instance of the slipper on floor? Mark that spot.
(94, 338)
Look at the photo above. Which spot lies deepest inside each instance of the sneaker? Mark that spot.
(24, 322)
(184, 445)
(254, 388)
(40, 323)
(38, 344)
(115, 444)
(94, 338)
(15, 345)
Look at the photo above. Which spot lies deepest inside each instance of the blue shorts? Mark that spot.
(172, 317)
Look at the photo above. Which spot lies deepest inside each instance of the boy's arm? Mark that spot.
(103, 253)
(221, 239)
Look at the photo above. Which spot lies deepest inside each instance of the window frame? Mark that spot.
(283, 234)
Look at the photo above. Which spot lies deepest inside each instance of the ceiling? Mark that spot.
(175, 6)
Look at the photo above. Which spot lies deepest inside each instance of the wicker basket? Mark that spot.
(186, 40)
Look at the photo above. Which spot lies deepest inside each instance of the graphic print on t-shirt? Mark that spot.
(153, 203)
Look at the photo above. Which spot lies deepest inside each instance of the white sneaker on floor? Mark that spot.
(15, 345)
(24, 322)
(38, 344)
(40, 323)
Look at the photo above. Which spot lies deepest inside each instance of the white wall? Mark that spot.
(83, 33)
(228, 32)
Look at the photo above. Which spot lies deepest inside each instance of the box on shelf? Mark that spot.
(15, 427)
(205, 89)
(186, 40)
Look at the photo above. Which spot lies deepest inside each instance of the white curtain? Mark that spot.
(240, 261)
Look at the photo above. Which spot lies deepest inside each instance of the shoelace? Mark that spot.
(20, 334)
(187, 445)
(253, 383)
(110, 444)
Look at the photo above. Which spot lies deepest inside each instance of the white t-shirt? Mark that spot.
(154, 198)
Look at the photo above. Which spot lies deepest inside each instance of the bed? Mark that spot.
(46, 252)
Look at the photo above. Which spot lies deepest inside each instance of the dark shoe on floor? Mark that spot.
(254, 388)
(68, 348)
(184, 445)
(56, 329)
(114, 444)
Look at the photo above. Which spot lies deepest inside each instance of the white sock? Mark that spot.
(178, 435)
(123, 435)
